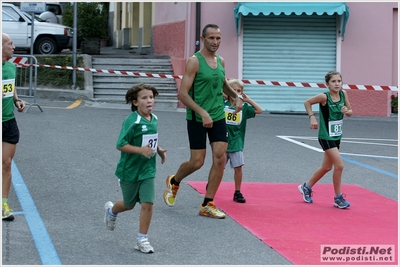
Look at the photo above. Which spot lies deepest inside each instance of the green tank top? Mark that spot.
(207, 90)
(8, 85)
(331, 118)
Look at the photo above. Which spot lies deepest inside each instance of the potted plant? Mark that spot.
(394, 103)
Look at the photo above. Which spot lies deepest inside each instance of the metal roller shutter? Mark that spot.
(294, 48)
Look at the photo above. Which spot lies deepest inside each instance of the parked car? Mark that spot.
(49, 38)
(53, 11)
(37, 18)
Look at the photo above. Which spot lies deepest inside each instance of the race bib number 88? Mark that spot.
(8, 87)
(335, 128)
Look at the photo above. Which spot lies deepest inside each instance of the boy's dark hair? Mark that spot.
(208, 26)
(132, 93)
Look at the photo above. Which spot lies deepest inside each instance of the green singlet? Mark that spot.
(331, 118)
(207, 90)
(8, 85)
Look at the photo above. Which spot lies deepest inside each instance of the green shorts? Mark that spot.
(142, 191)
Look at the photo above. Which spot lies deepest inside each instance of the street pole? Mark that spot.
(31, 58)
(74, 44)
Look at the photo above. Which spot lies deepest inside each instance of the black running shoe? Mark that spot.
(238, 197)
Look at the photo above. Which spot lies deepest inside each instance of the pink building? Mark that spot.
(291, 42)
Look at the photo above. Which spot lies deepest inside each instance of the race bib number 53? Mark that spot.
(335, 128)
(8, 87)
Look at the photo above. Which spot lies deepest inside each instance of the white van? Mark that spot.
(52, 13)
(49, 38)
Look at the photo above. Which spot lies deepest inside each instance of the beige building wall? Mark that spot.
(133, 22)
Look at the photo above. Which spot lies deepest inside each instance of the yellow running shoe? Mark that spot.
(211, 211)
(170, 192)
(7, 213)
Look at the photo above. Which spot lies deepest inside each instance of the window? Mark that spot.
(10, 14)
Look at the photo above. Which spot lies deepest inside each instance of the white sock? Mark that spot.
(111, 213)
(140, 236)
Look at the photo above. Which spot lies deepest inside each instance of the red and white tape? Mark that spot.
(21, 61)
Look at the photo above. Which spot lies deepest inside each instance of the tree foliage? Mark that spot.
(92, 19)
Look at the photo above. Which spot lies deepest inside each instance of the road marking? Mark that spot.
(75, 104)
(44, 245)
(370, 167)
(290, 139)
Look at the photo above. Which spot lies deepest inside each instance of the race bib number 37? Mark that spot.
(152, 140)
(8, 87)
(335, 128)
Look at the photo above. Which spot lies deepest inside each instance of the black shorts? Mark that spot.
(327, 144)
(10, 132)
(198, 133)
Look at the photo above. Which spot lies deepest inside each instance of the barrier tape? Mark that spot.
(19, 61)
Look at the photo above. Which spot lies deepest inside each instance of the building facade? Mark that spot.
(287, 42)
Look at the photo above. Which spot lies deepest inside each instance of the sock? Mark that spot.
(174, 182)
(111, 213)
(4, 200)
(206, 200)
(338, 195)
(308, 185)
(140, 236)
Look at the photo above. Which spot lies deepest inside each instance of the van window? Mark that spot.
(6, 17)
(53, 8)
(14, 16)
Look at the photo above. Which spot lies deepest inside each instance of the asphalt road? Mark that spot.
(64, 173)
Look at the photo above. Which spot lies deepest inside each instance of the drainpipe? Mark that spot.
(198, 13)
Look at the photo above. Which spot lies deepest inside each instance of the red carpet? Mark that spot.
(277, 215)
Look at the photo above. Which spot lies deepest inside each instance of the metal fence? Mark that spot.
(26, 78)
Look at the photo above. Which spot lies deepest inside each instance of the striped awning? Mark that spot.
(288, 8)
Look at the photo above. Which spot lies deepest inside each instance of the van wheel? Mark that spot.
(45, 46)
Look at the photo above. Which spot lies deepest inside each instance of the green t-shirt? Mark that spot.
(207, 90)
(137, 131)
(236, 125)
(8, 85)
(331, 118)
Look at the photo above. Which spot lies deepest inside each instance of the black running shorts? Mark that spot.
(327, 144)
(198, 133)
(10, 132)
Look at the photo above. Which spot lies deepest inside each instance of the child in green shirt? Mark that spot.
(236, 125)
(136, 169)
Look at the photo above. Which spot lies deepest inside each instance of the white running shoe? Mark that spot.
(109, 220)
(143, 245)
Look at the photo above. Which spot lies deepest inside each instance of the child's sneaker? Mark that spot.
(143, 245)
(7, 213)
(341, 203)
(306, 192)
(210, 210)
(238, 197)
(109, 220)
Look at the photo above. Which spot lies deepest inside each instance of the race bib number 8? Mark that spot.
(8, 87)
(335, 128)
(152, 140)
(231, 118)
